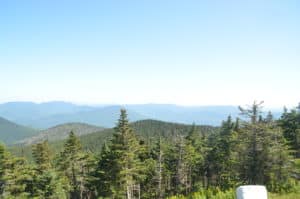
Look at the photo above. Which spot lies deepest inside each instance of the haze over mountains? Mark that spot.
(46, 115)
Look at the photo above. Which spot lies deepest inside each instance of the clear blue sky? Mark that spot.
(147, 51)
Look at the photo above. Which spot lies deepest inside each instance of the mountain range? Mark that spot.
(46, 115)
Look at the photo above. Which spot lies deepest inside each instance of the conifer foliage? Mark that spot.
(255, 149)
(122, 162)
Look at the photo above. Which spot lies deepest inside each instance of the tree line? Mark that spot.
(256, 149)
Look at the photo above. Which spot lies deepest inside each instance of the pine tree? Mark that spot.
(160, 168)
(103, 176)
(73, 165)
(42, 156)
(123, 159)
(47, 184)
(223, 156)
(4, 158)
(264, 155)
(16, 176)
(290, 124)
(183, 161)
(195, 152)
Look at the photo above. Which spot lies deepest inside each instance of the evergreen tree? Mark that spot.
(42, 156)
(147, 169)
(18, 179)
(103, 176)
(263, 150)
(15, 176)
(195, 153)
(223, 156)
(74, 166)
(47, 183)
(158, 155)
(181, 172)
(123, 158)
(4, 158)
(184, 160)
(290, 124)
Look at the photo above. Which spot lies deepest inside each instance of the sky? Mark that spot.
(210, 52)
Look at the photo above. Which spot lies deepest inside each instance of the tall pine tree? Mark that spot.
(73, 164)
(122, 162)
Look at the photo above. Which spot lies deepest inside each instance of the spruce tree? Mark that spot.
(16, 179)
(103, 176)
(42, 156)
(223, 156)
(264, 155)
(125, 148)
(158, 155)
(47, 183)
(290, 124)
(73, 165)
(4, 158)
(195, 152)
(122, 162)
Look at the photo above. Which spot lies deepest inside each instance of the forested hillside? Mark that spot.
(147, 130)
(153, 159)
(11, 132)
(61, 132)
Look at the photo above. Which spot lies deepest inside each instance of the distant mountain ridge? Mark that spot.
(28, 113)
(46, 115)
(202, 115)
(61, 132)
(106, 117)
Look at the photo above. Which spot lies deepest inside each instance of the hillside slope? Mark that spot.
(145, 129)
(11, 132)
(61, 132)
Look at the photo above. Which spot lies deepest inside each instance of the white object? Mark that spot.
(251, 192)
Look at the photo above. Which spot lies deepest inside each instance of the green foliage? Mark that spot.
(222, 159)
(290, 123)
(230, 194)
(293, 195)
(263, 143)
(152, 159)
(208, 194)
(75, 166)
(148, 130)
(42, 157)
(123, 158)
(46, 182)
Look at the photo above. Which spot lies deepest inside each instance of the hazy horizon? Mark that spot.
(264, 105)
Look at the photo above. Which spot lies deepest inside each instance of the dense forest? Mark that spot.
(185, 162)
